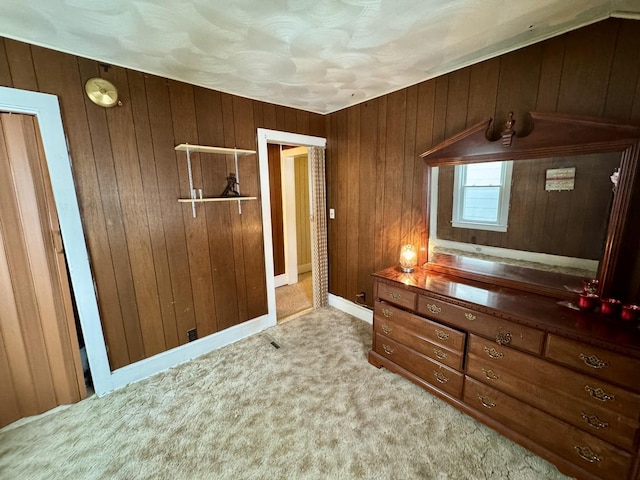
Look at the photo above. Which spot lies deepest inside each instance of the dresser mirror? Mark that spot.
(540, 212)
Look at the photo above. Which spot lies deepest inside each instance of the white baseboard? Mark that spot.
(165, 360)
(304, 268)
(351, 308)
(280, 280)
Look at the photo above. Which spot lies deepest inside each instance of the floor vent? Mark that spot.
(272, 341)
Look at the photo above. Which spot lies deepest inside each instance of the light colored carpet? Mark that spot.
(313, 409)
(292, 299)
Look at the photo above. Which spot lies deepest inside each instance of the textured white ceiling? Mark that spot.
(315, 55)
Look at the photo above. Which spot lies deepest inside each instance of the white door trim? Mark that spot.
(266, 136)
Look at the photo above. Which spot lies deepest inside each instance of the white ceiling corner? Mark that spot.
(315, 55)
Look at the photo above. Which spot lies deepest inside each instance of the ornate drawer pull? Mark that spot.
(433, 308)
(470, 316)
(503, 338)
(593, 361)
(386, 329)
(493, 353)
(486, 402)
(440, 377)
(442, 335)
(387, 349)
(387, 313)
(440, 354)
(599, 394)
(394, 295)
(594, 421)
(587, 454)
(490, 374)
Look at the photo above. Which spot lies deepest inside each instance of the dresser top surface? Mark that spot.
(545, 313)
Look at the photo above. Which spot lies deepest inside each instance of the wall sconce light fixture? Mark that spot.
(408, 258)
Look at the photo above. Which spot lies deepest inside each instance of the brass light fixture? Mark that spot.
(102, 92)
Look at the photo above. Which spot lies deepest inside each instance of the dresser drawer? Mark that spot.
(542, 373)
(586, 451)
(598, 362)
(594, 419)
(407, 329)
(432, 331)
(438, 375)
(396, 295)
(503, 332)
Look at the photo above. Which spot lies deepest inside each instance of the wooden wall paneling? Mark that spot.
(290, 118)
(281, 122)
(541, 199)
(341, 226)
(9, 408)
(153, 207)
(258, 113)
(518, 88)
(302, 122)
(587, 67)
(381, 186)
(251, 219)
(625, 71)
(277, 222)
(331, 166)
(214, 173)
(20, 320)
(133, 206)
(270, 116)
(317, 126)
(550, 74)
(408, 229)
(393, 176)
(167, 162)
(483, 91)
(367, 197)
(352, 206)
(457, 101)
(115, 231)
(5, 72)
(22, 71)
(59, 74)
(185, 131)
(523, 194)
(421, 201)
(236, 221)
(635, 111)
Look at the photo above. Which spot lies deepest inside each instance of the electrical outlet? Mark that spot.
(332, 213)
(361, 297)
(192, 334)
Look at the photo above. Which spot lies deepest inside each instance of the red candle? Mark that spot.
(610, 306)
(630, 313)
(587, 301)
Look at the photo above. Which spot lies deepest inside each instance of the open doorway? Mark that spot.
(280, 272)
(291, 214)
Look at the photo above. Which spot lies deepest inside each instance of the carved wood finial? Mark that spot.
(508, 132)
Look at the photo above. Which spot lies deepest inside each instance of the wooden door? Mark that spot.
(40, 364)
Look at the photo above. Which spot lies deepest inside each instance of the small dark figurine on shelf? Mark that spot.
(231, 188)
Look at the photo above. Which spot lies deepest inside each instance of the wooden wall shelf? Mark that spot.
(236, 152)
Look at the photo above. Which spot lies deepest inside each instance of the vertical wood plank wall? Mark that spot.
(303, 224)
(374, 176)
(158, 271)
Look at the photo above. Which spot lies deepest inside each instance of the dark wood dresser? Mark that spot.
(563, 383)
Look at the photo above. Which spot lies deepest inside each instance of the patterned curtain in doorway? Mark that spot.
(319, 226)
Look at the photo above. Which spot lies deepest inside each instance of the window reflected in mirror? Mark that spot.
(527, 216)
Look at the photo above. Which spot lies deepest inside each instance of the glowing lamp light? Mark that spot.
(408, 258)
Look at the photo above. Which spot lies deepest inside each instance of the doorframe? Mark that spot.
(46, 109)
(289, 208)
(265, 137)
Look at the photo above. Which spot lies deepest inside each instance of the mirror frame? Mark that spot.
(553, 135)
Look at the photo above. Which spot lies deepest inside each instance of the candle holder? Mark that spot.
(630, 313)
(587, 301)
(610, 307)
